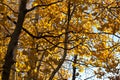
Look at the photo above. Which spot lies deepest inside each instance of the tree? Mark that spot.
(40, 38)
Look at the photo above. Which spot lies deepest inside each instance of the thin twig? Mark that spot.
(9, 8)
(43, 5)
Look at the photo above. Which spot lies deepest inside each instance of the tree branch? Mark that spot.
(103, 33)
(43, 5)
(9, 8)
(30, 34)
(65, 45)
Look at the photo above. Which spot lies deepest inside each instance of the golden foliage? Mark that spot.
(92, 24)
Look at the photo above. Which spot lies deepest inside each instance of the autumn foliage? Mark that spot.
(59, 39)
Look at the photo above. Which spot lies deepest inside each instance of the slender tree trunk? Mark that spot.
(74, 68)
(65, 45)
(13, 42)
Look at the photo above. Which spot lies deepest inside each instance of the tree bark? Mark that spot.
(74, 68)
(13, 42)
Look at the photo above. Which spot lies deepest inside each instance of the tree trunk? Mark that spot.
(65, 46)
(13, 42)
(74, 67)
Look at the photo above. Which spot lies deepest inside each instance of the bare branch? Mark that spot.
(115, 7)
(44, 5)
(89, 77)
(30, 34)
(41, 36)
(9, 8)
(103, 33)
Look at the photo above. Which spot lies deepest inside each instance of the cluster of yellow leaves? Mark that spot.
(21, 64)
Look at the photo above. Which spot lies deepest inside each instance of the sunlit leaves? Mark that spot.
(21, 64)
(89, 36)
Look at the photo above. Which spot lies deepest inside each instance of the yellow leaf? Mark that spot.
(35, 3)
(81, 68)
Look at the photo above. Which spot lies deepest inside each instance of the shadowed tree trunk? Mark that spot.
(74, 67)
(13, 42)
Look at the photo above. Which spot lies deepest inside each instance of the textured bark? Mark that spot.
(13, 42)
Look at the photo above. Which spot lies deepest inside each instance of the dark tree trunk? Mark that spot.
(74, 68)
(13, 42)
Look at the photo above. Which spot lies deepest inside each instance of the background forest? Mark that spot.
(59, 39)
